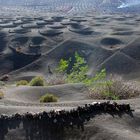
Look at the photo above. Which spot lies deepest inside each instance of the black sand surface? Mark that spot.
(32, 39)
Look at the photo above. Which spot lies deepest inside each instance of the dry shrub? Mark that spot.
(55, 79)
(1, 95)
(2, 83)
(115, 89)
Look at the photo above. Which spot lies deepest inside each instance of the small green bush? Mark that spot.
(48, 98)
(22, 82)
(1, 95)
(37, 81)
(77, 73)
(63, 66)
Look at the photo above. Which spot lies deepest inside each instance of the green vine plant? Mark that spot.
(78, 74)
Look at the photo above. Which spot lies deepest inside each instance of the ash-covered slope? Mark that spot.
(30, 44)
